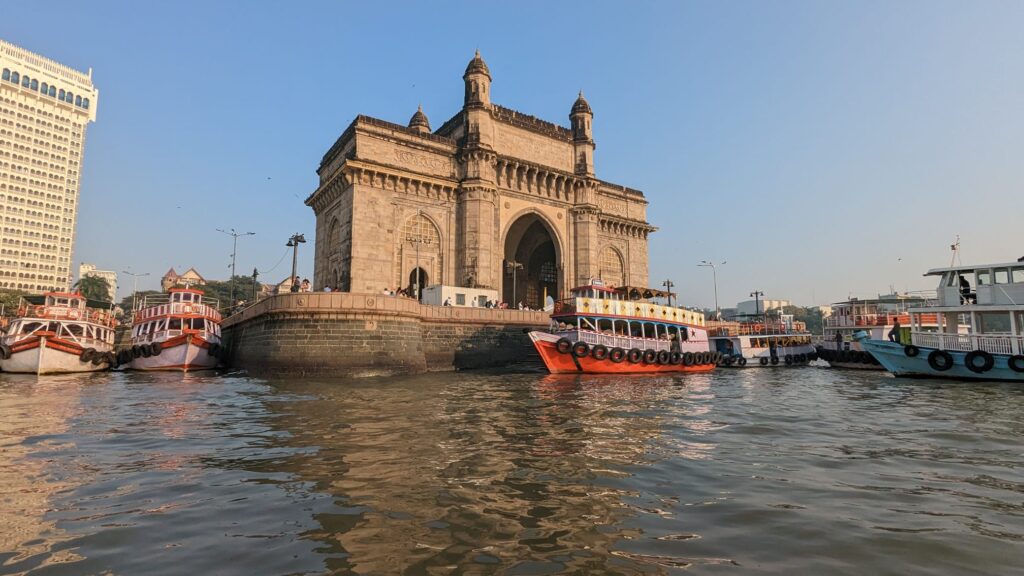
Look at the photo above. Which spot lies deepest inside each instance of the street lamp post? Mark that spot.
(714, 275)
(293, 243)
(135, 284)
(234, 250)
(757, 303)
(513, 266)
(668, 284)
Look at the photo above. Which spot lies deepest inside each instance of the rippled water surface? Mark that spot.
(796, 471)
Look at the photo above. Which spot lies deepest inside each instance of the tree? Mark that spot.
(10, 299)
(221, 290)
(94, 288)
(809, 316)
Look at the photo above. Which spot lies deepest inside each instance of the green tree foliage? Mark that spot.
(9, 299)
(809, 316)
(94, 288)
(221, 290)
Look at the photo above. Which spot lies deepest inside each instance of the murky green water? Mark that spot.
(802, 471)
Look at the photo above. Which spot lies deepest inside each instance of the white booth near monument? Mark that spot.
(437, 294)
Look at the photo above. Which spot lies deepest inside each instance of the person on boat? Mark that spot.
(894, 334)
(965, 290)
(839, 340)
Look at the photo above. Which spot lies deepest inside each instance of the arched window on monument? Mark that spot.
(420, 230)
(612, 270)
(334, 237)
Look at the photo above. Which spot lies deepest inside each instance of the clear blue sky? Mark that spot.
(821, 148)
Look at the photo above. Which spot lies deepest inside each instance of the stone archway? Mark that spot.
(417, 282)
(532, 265)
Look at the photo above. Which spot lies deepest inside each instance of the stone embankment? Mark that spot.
(341, 333)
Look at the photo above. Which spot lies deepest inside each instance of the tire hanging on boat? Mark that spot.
(675, 358)
(940, 360)
(775, 360)
(688, 359)
(616, 355)
(764, 360)
(563, 345)
(741, 361)
(87, 354)
(970, 360)
(599, 352)
(156, 347)
(650, 356)
(1016, 363)
(788, 360)
(634, 355)
(580, 349)
(663, 357)
(145, 351)
(910, 350)
(5, 352)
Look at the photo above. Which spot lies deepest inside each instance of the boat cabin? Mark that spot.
(988, 284)
(63, 315)
(181, 310)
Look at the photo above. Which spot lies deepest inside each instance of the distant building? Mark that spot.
(763, 305)
(45, 108)
(189, 278)
(109, 275)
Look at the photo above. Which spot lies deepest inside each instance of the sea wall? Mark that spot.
(341, 333)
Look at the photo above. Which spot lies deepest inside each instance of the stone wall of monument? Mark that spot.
(366, 334)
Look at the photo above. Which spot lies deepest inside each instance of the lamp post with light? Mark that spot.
(714, 275)
(293, 243)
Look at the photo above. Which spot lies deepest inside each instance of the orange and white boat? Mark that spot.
(604, 330)
(175, 331)
(58, 333)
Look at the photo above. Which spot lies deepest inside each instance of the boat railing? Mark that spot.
(92, 315)
(865, 320)
(162, 335)
(177, 308)
(615, 341)
(769, 329)
(638, 309)
(992, 343)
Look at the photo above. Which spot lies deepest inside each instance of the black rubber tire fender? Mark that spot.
(741, 361)
(910, 350)
(764, 360)
(616, 355)
(664, 357)
(987, 362)
(650, 356)
(145, 351)
(599, 352)
(938, 365)
(675, 358)
(87, 355)
(688, 358)
(1016, 363)
(580, 349)
(5, 352)
(775, 360)
(564, 346)
(788, 360)
(634, 355)
(156, 348)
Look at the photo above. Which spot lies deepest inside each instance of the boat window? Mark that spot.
(1002, 276)
(951, 279)
(53, 327)
(993, 322)
(198, 324)
(1017, 275)
(984, 277)
(29, 327)
(174, 324)
(176, 297)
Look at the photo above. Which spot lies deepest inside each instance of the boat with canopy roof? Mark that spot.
(615, 330)
(59, 333)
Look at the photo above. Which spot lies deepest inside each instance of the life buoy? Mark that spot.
(775, 360)
(563, 345)
(580, 349)
(599, 352)
(617, 355)
(634, 355)
(1016, 363)
(970, 360)
(741, 361)
(788, 360)
(940, 360)
(650, 356)
(758, 328)
(910, 350)
(688, 359)
(764, 360)
(73, 314)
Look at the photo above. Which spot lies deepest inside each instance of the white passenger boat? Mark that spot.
(58, 333)
(978, 332)
(761, 342)
(853, 320)
(175, 331)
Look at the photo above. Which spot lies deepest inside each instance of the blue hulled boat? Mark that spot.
(979, 333)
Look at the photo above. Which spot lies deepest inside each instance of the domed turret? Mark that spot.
(581, 106)
(478, 82)
(419, 121)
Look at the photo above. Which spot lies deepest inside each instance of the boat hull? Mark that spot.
(893, 357)
(559, 363)
(46, 356)
(178, 354)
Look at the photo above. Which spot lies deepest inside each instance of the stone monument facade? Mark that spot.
(493, 199)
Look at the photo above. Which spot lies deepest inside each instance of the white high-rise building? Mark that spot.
(45, 108)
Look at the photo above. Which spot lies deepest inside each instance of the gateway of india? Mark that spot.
(493, 199)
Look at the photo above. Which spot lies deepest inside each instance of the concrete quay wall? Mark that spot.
(342, 333)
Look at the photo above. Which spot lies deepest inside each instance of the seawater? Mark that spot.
(757, 471)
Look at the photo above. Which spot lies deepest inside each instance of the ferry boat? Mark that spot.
(605, 330)
(873, 318)
(978, 332)
(175, 331)
(761, 342)
(59, 333)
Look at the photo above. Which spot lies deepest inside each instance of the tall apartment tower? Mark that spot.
(45, 108)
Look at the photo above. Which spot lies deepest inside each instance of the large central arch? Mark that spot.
(532, 265)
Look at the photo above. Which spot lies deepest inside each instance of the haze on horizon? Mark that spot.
(824, 150)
